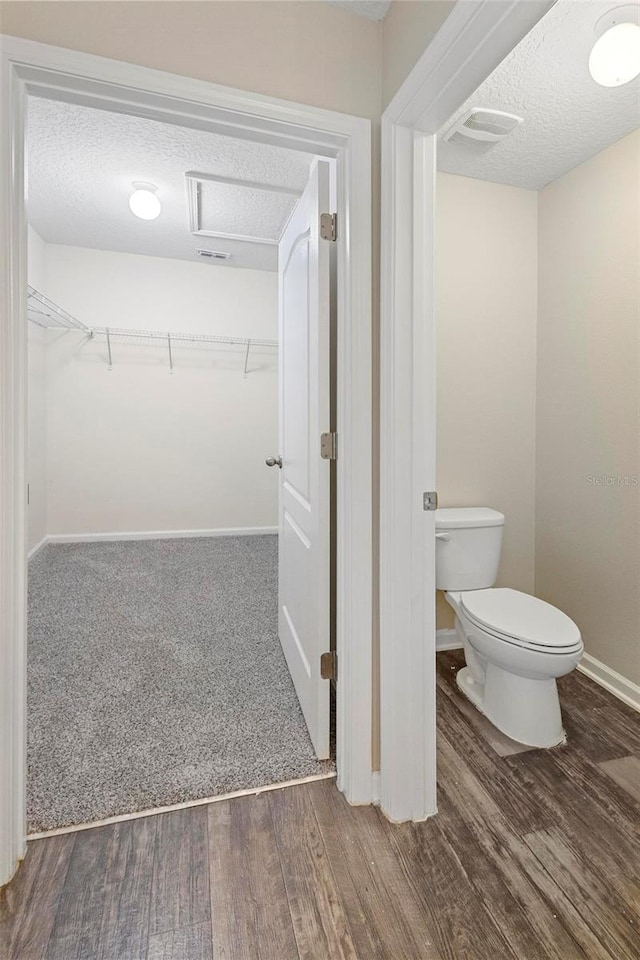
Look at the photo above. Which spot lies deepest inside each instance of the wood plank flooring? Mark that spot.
(534, 855)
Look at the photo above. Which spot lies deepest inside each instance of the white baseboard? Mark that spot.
(158, 535)
(615, 683)
(447, 640)
(38, 547)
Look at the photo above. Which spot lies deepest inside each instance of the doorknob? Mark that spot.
(274, 462)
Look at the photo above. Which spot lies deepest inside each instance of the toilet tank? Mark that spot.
(468, 544)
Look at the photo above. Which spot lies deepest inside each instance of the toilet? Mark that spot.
(515, 645)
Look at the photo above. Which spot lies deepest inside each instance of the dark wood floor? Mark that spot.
(534, 854)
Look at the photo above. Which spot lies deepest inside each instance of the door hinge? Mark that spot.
(329, 226)
(430, 500)
(329, 446)
(329, 665)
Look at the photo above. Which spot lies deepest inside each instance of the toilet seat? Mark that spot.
(518, 618)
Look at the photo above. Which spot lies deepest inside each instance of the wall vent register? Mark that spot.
(213, 254)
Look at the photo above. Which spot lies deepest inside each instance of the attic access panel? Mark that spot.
(238, 209)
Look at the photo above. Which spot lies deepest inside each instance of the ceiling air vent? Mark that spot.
(213, 254)
(482, 126)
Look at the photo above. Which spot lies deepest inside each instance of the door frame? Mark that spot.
(54, 72)
(471, 43)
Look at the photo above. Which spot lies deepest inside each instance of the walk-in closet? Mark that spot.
(156, 675)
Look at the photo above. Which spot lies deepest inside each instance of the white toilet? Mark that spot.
(515, 645)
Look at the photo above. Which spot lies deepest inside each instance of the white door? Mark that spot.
(303, 601)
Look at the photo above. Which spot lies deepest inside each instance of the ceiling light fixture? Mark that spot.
(615, 56)
(143, 202)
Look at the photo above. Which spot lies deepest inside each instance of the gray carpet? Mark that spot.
(156, 676)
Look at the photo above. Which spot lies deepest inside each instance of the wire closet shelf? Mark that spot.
(47, 314)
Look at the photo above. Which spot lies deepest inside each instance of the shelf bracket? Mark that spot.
(109, 348)
(246, 359)
(170, 353)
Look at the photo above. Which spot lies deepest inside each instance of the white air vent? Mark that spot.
(213, 254)
(483, 126)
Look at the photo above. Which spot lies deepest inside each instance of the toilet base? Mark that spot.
(526, 710)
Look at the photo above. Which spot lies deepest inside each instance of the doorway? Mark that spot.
(52, 73)
(179, 600)
(473, 40)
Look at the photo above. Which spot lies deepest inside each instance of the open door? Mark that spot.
(304, 524)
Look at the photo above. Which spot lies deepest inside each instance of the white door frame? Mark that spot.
(473, 40)
(54, 72)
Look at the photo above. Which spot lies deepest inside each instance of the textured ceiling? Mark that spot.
(370, 9)
(82, 161)
(567, 116)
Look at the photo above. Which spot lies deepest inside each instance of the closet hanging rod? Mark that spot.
(182, 337)
(46, 313)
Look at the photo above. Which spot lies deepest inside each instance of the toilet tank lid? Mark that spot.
(451, 518)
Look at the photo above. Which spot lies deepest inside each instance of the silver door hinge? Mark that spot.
(430, 500)
(329, 446)
(329, 665)
(329, 226)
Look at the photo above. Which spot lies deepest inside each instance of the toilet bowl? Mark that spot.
(515, 645)
(511, 676)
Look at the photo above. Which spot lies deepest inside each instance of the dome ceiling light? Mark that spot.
(615, 56)
(144, 202)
